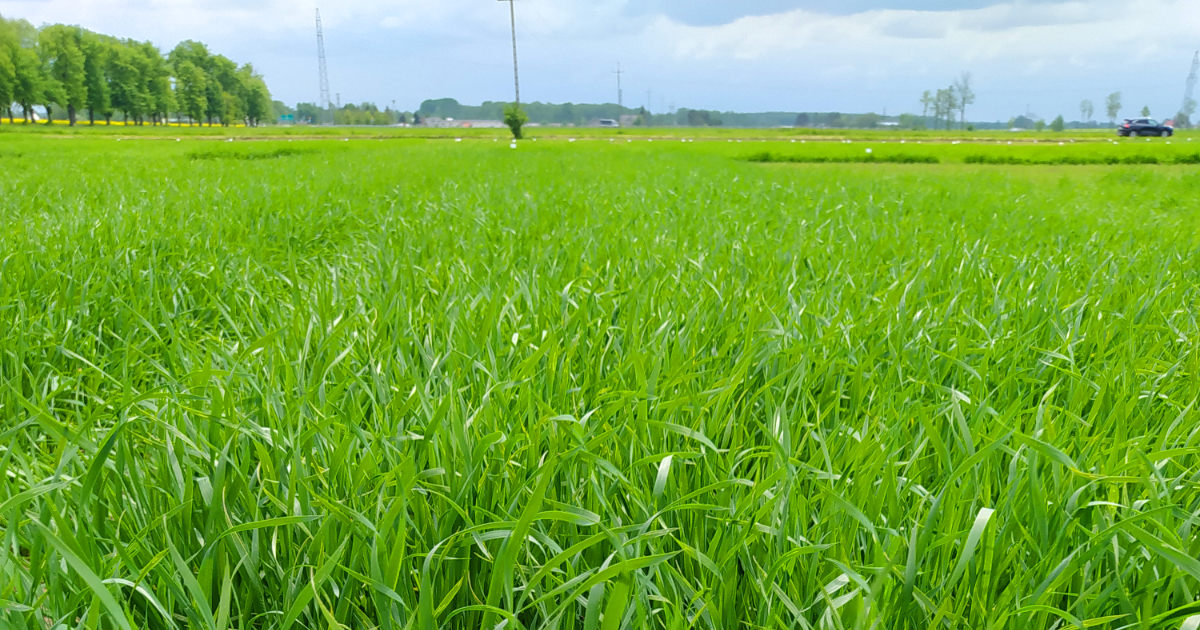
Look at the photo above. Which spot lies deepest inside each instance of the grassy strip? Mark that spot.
(868, 158)
(244, 154)
(1009, 160)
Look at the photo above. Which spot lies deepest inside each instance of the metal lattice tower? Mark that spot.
(620, 94)
(325, 103)
(1191, 82)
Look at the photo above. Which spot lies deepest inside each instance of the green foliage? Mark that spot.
(61, 50)
(1087, 109)
(891, 158)
(191, 88)
(8, 76)
(597, 386)
(700, 118)
(1082, 160)
(98, 52)
(1112, 106)
(1058, 124)
(515, 119)
(364, 114)
(965, 95)
(944, 103)
(31, 80)
(310, 112)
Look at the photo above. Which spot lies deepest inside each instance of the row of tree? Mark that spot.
(1113, 105)
(81, 71)
(945, 103)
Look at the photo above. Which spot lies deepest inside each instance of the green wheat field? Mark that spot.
(610, 384)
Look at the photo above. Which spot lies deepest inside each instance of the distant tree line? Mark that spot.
(349, 114)
(84, 72)
(584, 113)
(837, 120)
(541, 113)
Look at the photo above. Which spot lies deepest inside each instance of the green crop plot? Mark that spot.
(596, 385)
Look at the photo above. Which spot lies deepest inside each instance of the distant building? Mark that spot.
(629, 120)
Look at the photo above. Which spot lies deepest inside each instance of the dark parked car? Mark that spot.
(1144, 127)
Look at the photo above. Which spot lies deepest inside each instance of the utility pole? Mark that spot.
(324, 72)
(512, 14)
(649, 103)
(620, 94)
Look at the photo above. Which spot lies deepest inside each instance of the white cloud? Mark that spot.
(1049, 55)
(1015, 31)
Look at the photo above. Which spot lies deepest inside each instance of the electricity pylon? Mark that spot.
(324, 72)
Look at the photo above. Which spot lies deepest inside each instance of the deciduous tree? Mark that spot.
(190, 90)
(1112, 106)
(965, 96)
(97, 51)
(8, 78)
(61, 48)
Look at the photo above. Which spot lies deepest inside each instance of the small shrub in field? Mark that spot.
(515, 119)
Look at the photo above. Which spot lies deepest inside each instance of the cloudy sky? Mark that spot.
(746, 55)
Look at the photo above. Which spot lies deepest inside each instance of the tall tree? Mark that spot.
(1087, 109)
(226, 93)
(127, 79)
(31, 83)
(965, 95)
(1145, 110)
(8, 75)
(160, 97)
(62, 51)
(1112, 105)
(257, 97)
(927, 102)
(199, 95)
(945, 104)
(190, 90)
(20, 67)
(97, 50)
